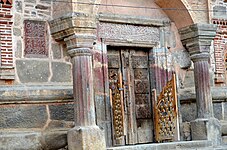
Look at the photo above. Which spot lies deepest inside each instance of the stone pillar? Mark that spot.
(78, 31)
(86, 135)
(197, 40)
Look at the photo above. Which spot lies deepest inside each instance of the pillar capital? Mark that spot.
(73, 23)
(205, 56)
(80, 44)
(197, 37)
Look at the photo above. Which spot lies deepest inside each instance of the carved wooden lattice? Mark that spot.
(166, 113)
(117, 106)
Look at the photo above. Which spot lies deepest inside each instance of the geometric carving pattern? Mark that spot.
(128, 32)
(35, 38)
(166, 116)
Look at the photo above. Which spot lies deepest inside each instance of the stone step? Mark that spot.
(183, 145)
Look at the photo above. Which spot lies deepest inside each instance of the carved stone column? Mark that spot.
(197, 40)
(79, 31)
(85, 134)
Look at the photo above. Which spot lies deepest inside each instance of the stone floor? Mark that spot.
(184, 145)
(189, 145)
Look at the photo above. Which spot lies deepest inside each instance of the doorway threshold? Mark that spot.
(181, 145)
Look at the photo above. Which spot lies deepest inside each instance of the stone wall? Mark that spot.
(41, 60)
(188, 109)
(36, 98)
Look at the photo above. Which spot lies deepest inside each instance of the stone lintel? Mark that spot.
(197, 37)
(73, 23)
(128, 19)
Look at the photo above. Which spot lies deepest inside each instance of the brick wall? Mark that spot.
(219, 17)
(220, 47)
(6, 64)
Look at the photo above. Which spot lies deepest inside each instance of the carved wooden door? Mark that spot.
(129, 72)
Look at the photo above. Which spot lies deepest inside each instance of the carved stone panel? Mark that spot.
(35, 38)
(112, 31)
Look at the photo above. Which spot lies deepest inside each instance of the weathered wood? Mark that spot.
(133, 78)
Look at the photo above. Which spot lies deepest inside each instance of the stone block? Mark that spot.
(188, 112)
(218, 111)
(15, 140)
(16, 31)
(224, 140)
(225, 111)
(17, 20)
(81, 137)
(144, 131)
(206, 129)
(54, 139)
(224, 128)
(181, 57)
(32, 71)
(53, 124)
(56, 50)
(189, 79)
(62, 112)
(22, 116)
(199, 130)
(18, 52)
(61, 72)
(18, 6)
(186, 131)
(219, 11)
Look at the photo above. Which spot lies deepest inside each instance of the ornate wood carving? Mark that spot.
(166, 113)
(117, 104)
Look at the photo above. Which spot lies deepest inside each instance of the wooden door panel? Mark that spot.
(133, 65)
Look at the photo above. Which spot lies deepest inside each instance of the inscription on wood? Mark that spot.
(35, 38)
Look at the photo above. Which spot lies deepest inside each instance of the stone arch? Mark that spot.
(183, 12)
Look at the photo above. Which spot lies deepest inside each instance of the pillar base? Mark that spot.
(86, 138)
(207, 129)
